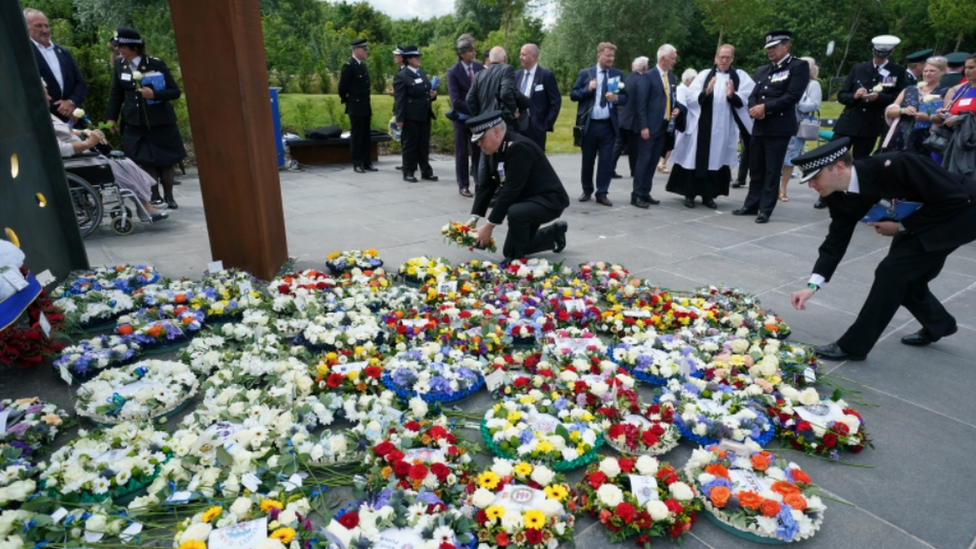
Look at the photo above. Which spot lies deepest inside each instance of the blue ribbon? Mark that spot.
(117, 401)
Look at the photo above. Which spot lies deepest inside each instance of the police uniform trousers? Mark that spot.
(416, 147)
(744, 159)
(766, 156)
(462, 144)
(525, 232)
(861, 147)
(359, 140)
(901, 279)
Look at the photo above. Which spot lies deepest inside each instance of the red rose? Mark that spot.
(626, 512)
(616, 430)
(830, 440)
(335, 380)
(438, 507)
(803, 426)
(501, 538)
(401, 468)
(841, 429)
(446, 545)
(418, 472)
(283, 288)
(533, 536)
(452, 450)
(626, 465)
(597, 479)
(349, 520)
(384, 448)
(440, 470)
(394, 455)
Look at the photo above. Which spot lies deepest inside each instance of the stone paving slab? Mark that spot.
(917, 491)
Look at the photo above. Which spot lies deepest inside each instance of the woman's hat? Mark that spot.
(125, 36)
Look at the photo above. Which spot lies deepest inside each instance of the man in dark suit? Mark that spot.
(656, 108)
(412, 98)
(525, 188)
(916, 64)
(64, 82)
(538, 85)
(627, 140)
(495, 89)
(597, 113)
(772, 104)
(460, 77)
(945, 220)
(868, 90)
(354, 93)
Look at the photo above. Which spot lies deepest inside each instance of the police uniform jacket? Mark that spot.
(354, 88)
(411, 92)
(780, 87)
(946, 219)
(863, 118)
(517, 172)
(150, 135)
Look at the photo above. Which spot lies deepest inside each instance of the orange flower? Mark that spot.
(717, 469)
(772, 327)
(124, 329)
(761, 461)
(784, 488)
(795, 500)
(156, 330)
(800, 477)
(769, 508)
(385, 472)
(119, 268)
(180, 298)
(750, 500)
(719, 496)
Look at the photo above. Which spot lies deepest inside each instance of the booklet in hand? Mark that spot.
(886, 210)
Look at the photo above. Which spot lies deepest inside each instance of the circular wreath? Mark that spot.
(349, 372)
(141, 391)
(87, 358)
(814, 425)
(640, 430)
(656, 366)
(756, 494)
(127, 278)
(341, 329)
(95, 310)
(435, 377)
(709, 412)
(415, 271)
(558, 433)
(641, 497)
(521, 504)
(347, 260)
(31, 423)
(110, 463)
(287, 521)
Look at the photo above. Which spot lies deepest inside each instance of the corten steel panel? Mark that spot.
(225, 80)
(48, 235)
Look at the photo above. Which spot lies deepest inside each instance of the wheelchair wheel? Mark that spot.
(116, 213)
(123, 227)
(87, 203)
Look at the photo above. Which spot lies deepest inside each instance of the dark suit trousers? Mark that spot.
(462, 142)
(766, 156)
(598, 140)
(627, 142)
(648, 154)
(744, 159)
(861, 147)
(524, 233)
(538, 137)
(416, 147)
(901, 279)
(359, 140)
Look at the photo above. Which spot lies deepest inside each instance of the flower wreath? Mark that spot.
(84, 360)
(520, 372)
(656, 366)
(162, 328)
(340, 329)
(435, 377)
(109, 463)
(346, 260)
(415, 271)
(710, 412)
(236, 447)
(144, 390)
(293, 292)
(640, 430)
(529, 271)
(641, 497)
(411, 325)
(602, 275)
(285, 519)
(756, 493)
(127, 278)
(521, 504)
(574, 312)
(526, 428)
(400, 518)
(814, 425)
(24, 343)
(31, 423)
(96, 309)
(350, 371)
(765, 363)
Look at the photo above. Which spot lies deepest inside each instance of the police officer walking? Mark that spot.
(772, 103)
(354, 93)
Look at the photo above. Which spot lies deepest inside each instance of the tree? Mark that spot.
(511, 11)
(955, 16)
(485, 16)
(720, 15)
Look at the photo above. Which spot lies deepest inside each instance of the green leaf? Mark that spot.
(837, 394)
(563, 433)
(223, 457)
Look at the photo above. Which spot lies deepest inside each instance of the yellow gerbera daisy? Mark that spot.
(193, 544)
(544, 446)
(523, 469)
(488, 480)
(284, 535)
(495, 512)
(211, 513)
(556, 492)
(268, 504)
(534, 519)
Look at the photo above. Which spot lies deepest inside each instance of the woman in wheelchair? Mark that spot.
(127, 174)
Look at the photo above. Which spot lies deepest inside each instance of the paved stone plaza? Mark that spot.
(915, 489)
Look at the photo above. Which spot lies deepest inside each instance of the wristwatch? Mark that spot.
(813, 286)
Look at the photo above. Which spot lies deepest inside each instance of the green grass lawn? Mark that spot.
(320, 113)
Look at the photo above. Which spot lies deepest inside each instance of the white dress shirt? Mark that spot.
(853, 187)
(598, 112)
(51, 57)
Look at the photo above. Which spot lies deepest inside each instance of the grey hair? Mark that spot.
(533, 49)
(639, 63)
(814, 69)
(502, 126)
(689, 74)
(665, 51)
(32, 11)
(497, 55)
(464, 43)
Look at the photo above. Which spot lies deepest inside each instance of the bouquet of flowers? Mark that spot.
(433, 375)
(266, 521)
(95, 309)
(84, 360)
(417, 270)
(30, 423)
(346, 260)
(643, 431)
(710, 412)
(656, 366)
(814, 425)
(464, 236)
(757, 493)
(641, 497)
(138, 392)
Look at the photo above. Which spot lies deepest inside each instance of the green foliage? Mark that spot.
(441, 130)
(336, 113)
(304, 117)
(527, 30)
(483, 16)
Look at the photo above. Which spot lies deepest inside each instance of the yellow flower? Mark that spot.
(193, 544)
(371, 253)
(544, 446)
(523, 469)
(587, 417)
(583, 448)
(333, 255)
(488, 480)
(268, 504)
(534, 519)
(574, 436)
(557, 492)
(211, 513)
(514, 416)
(353, 374)
(495, 512)
(284, 535)
(526, 400)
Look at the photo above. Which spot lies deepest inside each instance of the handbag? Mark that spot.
(938, 139)
(809, 129)
(578, 135)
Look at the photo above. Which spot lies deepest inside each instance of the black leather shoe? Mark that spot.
(922, 337)
(407, 176)
(820, 204)
(561, 227)
(689, 203)
(370, 168)
(744, 211)
(762, 218)
(832, 351)
(650, 200)
(429, 177)
(616, 175)
(465, 193)
(358, 169)
(710, 204)
(738, 184)
(605, 201)
(639, 203)
(585, 197)
(171, 204)
(399, 168)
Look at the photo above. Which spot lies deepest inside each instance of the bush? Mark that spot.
(304, 117)
(441, 132)
(337, 114)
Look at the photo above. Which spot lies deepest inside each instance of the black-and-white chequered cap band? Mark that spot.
(812, 168)
(128, 40)
(484, 126)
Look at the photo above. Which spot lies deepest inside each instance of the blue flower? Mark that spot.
(787, 528)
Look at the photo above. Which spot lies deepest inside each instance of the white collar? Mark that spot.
(854, 186)
(881, 66)
(532, 70)
(662, 71)
(42, 46)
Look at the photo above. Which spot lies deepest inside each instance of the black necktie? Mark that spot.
(603, 90)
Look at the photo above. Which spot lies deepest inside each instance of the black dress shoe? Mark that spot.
(171, 203)
(585, 197)
(616, 175)
(744, 211)
(358, 169)
(429, 177)
(650, 200)
(370, 168)
(156, 201)
(400, 168)
(605, 201)
(832, 351)
(639, 203)
(738, 184)
(710, 203)
(407, 176)
(762, 218)
(820, 204)
(561, 227)
(465, 193)
(689, 203)
(922, 337)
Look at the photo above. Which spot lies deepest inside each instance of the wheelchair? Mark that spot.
(95, 194)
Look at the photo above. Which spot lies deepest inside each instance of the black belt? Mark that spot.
(602, 120)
